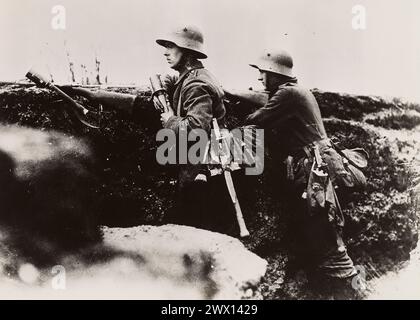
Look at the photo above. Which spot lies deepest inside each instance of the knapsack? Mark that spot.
(345, 166)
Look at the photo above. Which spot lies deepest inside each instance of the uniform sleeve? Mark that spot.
(197, 101)
(169, 83)
(278, 109)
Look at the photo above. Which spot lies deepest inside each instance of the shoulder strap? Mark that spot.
(180, 82)
(178, 108)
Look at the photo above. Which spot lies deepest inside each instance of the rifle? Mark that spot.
(78, 110)
(224, 156)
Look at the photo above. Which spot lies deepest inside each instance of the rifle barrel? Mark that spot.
(99, 86)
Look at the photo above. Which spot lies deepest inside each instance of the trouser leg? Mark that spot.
(188, 205)
(220, 209)
(317, 242)
(205, 205)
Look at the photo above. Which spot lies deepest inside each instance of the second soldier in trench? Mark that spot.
(294, 129)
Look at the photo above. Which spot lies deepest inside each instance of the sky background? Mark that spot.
(383, 59)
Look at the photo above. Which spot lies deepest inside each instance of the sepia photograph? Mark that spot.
(226, 151)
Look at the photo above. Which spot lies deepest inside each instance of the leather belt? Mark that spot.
(307, 151)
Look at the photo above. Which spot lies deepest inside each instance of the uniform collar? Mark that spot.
(188, 68)
(289, 82)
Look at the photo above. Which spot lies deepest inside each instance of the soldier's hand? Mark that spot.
(166, 115)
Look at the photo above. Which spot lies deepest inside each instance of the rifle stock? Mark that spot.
(77, 108)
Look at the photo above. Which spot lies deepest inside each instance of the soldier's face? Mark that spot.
(269, 80)
(265, 79)
(173, 55)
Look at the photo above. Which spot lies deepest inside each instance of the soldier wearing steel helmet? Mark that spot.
(292, 119)
(196, 98)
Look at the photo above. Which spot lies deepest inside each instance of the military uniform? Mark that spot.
(294, 124)
(196, 100)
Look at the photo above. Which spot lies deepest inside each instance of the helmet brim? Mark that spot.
(165, 42)
(261, 67)
(254, 66)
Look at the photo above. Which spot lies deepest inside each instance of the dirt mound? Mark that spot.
(145, 262)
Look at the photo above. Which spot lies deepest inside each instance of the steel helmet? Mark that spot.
(280, 62)
(188, 37)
